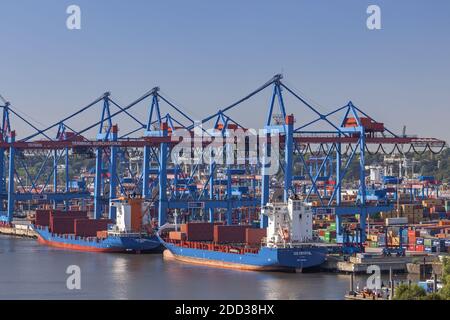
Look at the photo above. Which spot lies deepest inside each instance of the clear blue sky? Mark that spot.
(205, 54)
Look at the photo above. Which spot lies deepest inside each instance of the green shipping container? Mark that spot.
(427, 242)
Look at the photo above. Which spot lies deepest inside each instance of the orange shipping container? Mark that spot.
(136, 214)
(177, 235)
(102, 234)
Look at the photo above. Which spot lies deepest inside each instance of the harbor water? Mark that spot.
(29, 270)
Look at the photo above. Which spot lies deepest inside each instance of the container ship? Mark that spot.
(285, 245)
(73, 230)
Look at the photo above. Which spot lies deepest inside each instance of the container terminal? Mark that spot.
(74, 191)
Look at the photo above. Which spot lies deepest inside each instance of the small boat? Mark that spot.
(368, 295)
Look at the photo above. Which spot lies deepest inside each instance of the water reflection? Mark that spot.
(120, 276)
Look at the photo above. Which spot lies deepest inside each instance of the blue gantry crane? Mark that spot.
(197, 182)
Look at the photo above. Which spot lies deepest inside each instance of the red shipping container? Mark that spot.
(62, 225)
(229, 234)
(413, 233)
(73, 214)
(420, 248)
(55, 212)
(254, 236)
(89, 227)
(198, 231)
(42, 217)
(77, 212)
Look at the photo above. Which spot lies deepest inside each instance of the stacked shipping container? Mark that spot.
(63, 222)
(42, 218)
(218, 233)
(198, 231)
(62, 225)
(90, 227)
(254, 236)
(230, 234)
